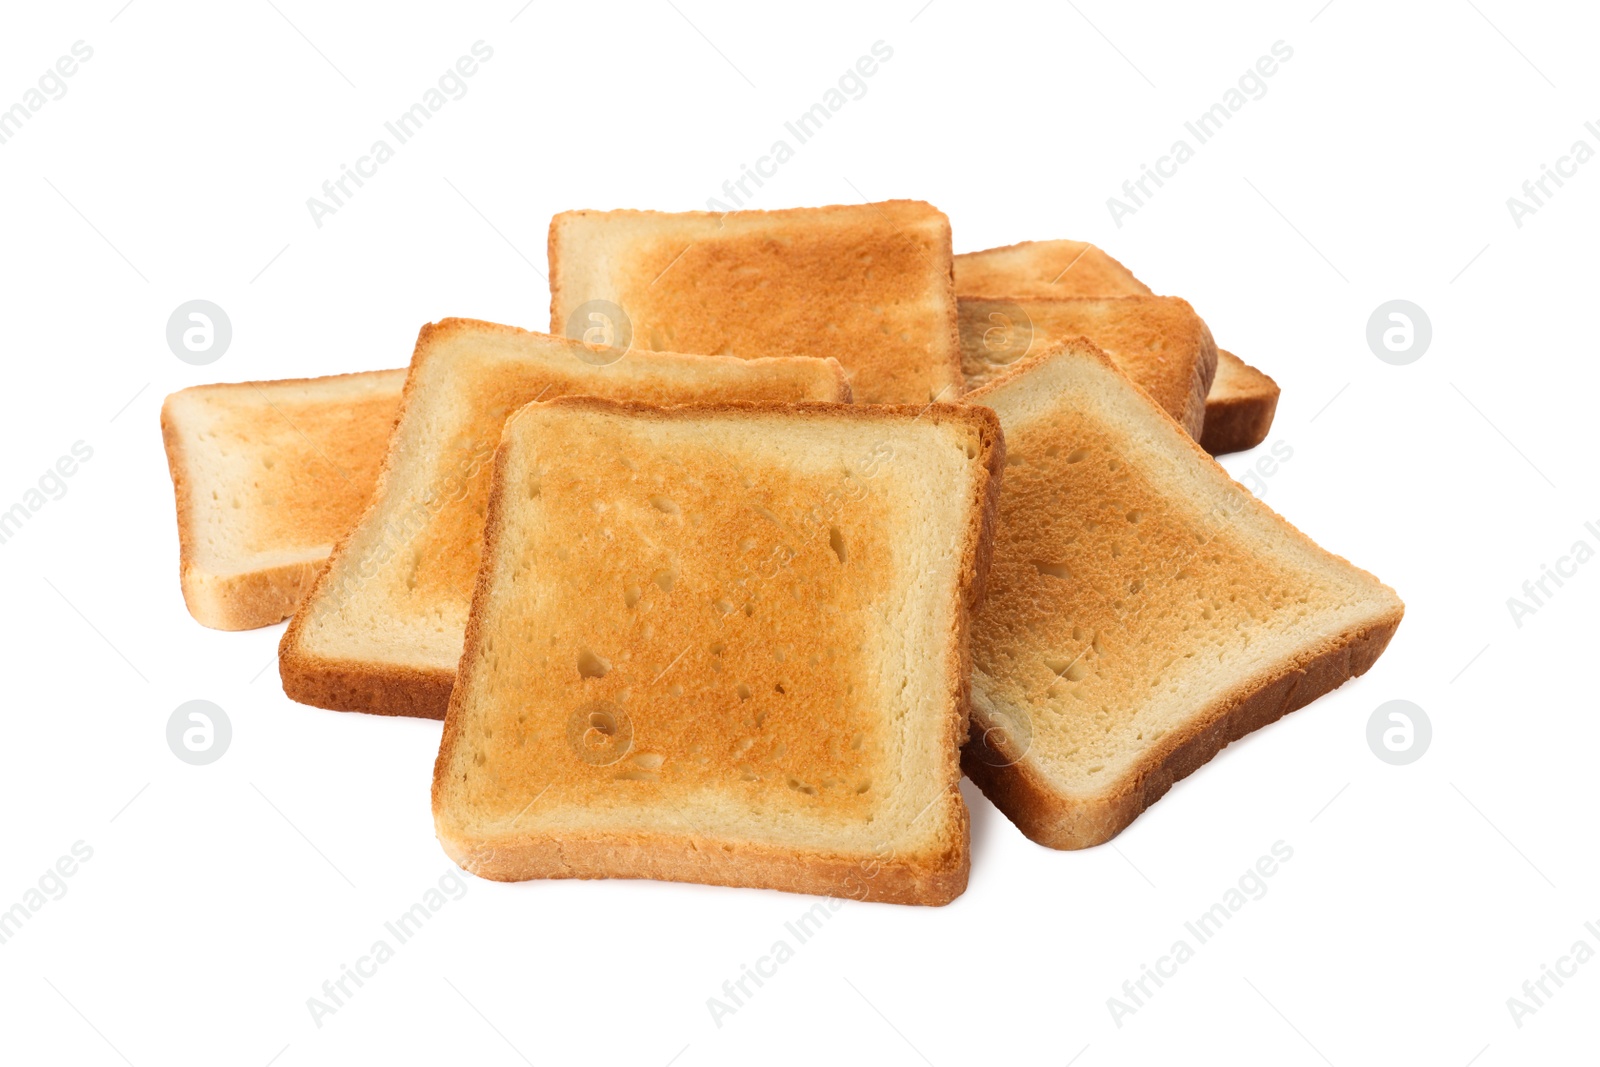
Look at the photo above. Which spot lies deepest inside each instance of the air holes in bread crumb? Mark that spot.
(1070, 669)
(664, 580)
(631, 595)
(836, 542)
(663, 504)
(591, 665)
(1054, 570)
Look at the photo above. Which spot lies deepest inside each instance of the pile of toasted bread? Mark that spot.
(791, 519)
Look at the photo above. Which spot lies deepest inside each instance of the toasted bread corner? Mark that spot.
(236, 586)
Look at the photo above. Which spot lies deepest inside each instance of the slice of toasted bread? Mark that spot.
(723, 643)
(1043, 270)
(381, 630)
(1242, 400)
(268, 475)
(1239, 408)
(1144, 610)
(1157, 340)
(868, 284)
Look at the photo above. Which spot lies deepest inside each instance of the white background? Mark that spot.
(1377, 166)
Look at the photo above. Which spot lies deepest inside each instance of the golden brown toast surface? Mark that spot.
(867, 284)
(1158, 340)
(382, 630)
(625, 611)
(739, 625)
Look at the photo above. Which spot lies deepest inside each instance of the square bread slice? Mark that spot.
(868, 284)
(1239, 408)
(1043, 270)
(268, 475)
(724, 644)
(1144, 610)
(1242, 400)
(1157, 340)
(381, 630)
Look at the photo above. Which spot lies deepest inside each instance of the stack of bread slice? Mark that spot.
(791, 518)
(1239, 400)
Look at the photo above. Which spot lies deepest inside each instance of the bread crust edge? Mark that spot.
(932, 880)
(1240, 423)
(1008, 294)
(248, 600)
(1205, 373)
(355, 685)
